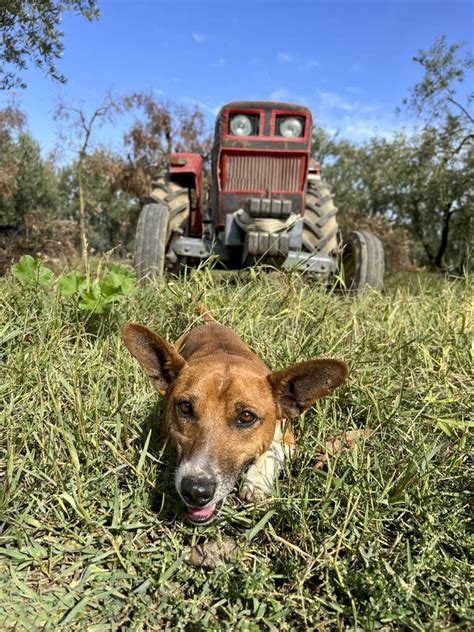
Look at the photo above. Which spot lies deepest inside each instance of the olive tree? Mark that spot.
(440, 97)
(30, 33)
(27, 181)
(83, 124)
(160, 128)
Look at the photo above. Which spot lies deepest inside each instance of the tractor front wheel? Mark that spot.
(151, 240)
(362, 261)
(320, 230)
(177, 198)
(168, 212)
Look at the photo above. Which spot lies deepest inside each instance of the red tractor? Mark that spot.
(266, 202)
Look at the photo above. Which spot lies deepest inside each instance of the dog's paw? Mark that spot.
(251, 494)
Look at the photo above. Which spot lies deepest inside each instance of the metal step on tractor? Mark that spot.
(267, 202)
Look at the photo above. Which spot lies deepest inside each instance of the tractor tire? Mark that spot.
(362, 262)
(151, 240)
(320, 229)
(177, 198)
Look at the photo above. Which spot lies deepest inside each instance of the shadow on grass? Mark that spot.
(164, 499)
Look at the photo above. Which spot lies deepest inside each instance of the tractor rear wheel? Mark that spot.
(151, 240)
(362, 261)
(320, 229)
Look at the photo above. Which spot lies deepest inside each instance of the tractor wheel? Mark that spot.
(320, 229)
(151, 240)
(362, 261)
(168, 211)
(177, 199)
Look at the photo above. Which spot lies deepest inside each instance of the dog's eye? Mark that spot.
(246, 418)
(185, 408)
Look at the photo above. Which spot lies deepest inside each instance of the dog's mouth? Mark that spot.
(204, 515)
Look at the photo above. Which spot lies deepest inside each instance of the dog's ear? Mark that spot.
(160, 361)
(301, 384)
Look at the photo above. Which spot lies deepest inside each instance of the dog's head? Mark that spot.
(221, 411)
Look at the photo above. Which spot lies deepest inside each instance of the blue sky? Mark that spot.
(349, 60)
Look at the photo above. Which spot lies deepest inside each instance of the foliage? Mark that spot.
(12, 121)
(29, 183)
(111, 213)
(84, 126)
(447, 111)
(29, 32)
(93, 535)
(93, 295)
(96, 296)
(32, 273)
(435, 97)
(419, 181)
(413, 189)
(408, 181)
(164, 127)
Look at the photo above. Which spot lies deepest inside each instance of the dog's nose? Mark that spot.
(197, 491)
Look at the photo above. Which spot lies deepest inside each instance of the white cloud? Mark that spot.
(353, 90)
(356, 67)
(310, 64)
(280, 93)
(285, 57)
(352, 118)
(198, 38)
(159, 92)
(359, 128)
(219, 63)
(334, 101)
(207, 107)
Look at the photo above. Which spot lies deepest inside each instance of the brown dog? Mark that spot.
(225, 408)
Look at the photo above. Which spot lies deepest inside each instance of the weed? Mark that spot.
(91, 294)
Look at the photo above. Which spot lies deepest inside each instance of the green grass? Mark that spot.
(93, 537)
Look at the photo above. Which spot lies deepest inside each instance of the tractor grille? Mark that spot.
(244, 172)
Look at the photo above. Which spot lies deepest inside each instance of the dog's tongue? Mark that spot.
(201, 513)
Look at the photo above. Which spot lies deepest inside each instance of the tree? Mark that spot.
(29, 32)
(12, 121)
(111, 213)
(408, 182)
(429, 192)
(27, 181)
(102, 188)
(441, 101)
(435, 97)
(83, 126)
(420, 181)
(164, 127)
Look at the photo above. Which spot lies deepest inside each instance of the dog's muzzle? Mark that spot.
(197, 491)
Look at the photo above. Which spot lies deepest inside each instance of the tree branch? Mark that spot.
(462, 108)
(459, 147)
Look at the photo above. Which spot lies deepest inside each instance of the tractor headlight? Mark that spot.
(243, 125)
(290, 126)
